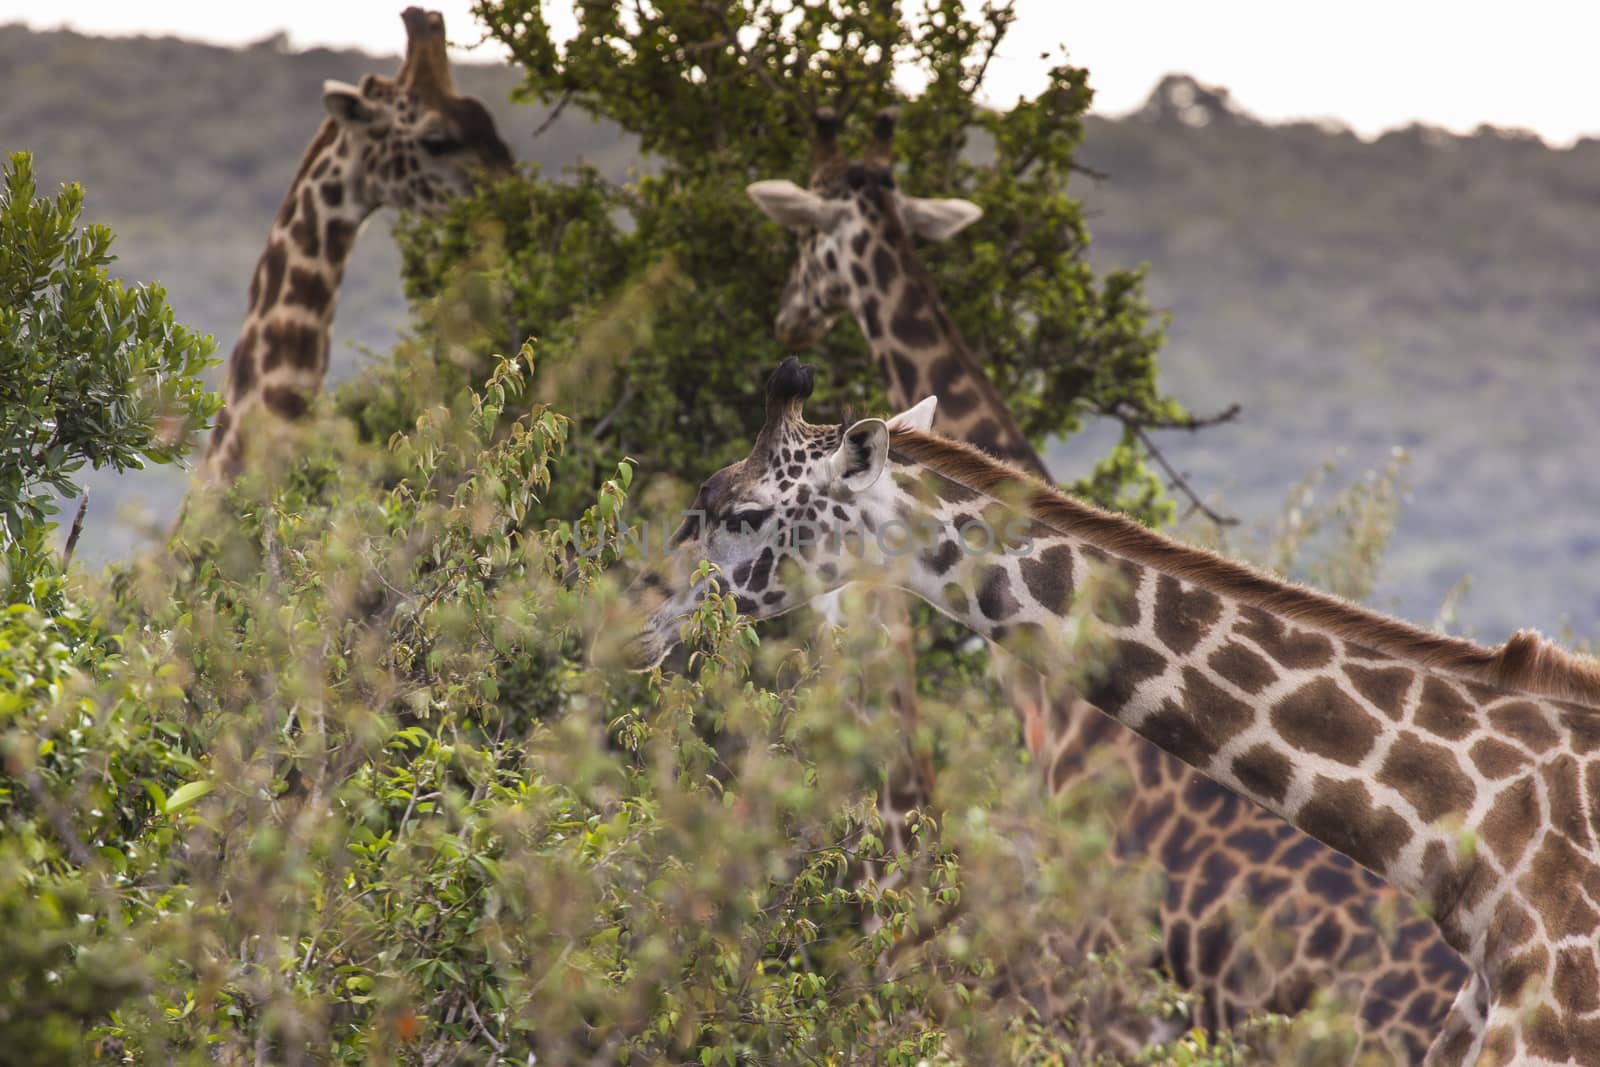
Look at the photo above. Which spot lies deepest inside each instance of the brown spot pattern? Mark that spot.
(268, 282)
(1577, 984)
(1342, 816)
(242, 365)
(1047, 575)
(1565, 797)
(1242, 667)
(1591, 779)
(1444, 712)
(1505, 828)
(1496, 759)
(1117, 601)
(305, 230)
(285, 401)
(1553, 884)
(1182, 616)
(1320, 717)
(1519, 970)
(1428, 776)
(995, 598)
(1384, 687)
(340, 236)
(1526, 723)
(299, 346)
(1264, 771)
(1207, 720)
(308, 289)
(1129, 666)
(1583, 729)
(1295, 649)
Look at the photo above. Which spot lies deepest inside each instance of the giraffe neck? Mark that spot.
(920, 353)
(1379, 740)
(281, 356)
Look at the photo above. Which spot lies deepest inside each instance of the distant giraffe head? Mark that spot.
(854, 225)
(410, 142)
(413, 142)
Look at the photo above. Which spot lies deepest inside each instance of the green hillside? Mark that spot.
(1425, 291)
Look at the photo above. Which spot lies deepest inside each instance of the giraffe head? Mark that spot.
(782, 526)
(854, 228)
(414, 142)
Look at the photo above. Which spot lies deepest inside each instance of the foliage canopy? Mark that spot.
(722, 95)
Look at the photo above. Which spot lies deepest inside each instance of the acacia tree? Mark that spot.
(672, 279)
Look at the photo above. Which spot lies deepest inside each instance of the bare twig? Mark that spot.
(629, 391)
(555, 113)
(477, 1020)
(76, 531)
(758, 68)
(1128, 417)
(1000, 20)
(1177, 480)
(1088, 171)
(269, 548)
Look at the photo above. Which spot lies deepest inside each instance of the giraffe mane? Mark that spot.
(326, 134)
(1526, 662)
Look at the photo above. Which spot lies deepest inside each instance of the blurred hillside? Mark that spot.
(1426, 290)
(185, 151)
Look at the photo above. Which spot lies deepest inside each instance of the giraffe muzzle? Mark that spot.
(799, 331)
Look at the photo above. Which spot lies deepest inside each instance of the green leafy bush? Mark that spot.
(93, 372)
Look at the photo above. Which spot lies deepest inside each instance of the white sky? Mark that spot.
(1374, 64)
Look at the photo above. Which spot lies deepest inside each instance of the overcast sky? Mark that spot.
(1374, 64)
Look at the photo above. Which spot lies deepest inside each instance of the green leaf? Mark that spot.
(185, 795)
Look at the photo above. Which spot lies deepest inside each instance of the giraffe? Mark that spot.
(856, 255)
(410, 142)
(1467, 777)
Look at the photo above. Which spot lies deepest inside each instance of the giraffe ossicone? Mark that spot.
(1466, 776)
(410, 142)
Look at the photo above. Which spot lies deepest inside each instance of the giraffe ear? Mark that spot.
(918, 416)
(346, 104)
(862, 454)
(937, 220)
(794, 208)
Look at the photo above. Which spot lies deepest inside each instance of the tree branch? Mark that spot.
(999, 20)
(1088, 171)
(629, 391)
(1177, 480)
(555, 113)
(1134, 420)
(76, 531)
(759, 69)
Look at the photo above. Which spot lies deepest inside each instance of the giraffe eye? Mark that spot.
(438, 143)
(747, 519)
